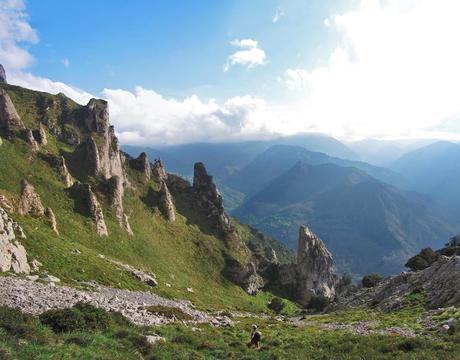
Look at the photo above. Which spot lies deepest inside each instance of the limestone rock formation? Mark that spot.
(210, 197)
(166, 203)
(313, 274)
(30, 139)
(315, 269)
(6, 203)
(13, 256)
(49, 213)
(142, 164)
(10, 123)
(2, 75)
(116, 199)
(158, 171)
(30, 202)
(59, 163)
(99, 147)
(40, 135)
(86, 203)
(243, 274)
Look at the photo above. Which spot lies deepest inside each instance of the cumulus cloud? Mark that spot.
(146, 117)
(250, 55)
(393, 73)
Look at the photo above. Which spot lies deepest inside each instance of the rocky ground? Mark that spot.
(35, 298)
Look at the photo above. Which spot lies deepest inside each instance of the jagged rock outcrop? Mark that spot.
(30, 139)
(142, 164)
(13, 256)
(439, 283)
(86, 203)
(313, 274)
(2, 75)
(270, 253)
(244, 275)
(166, 204)
(49, 213)
(99, 147)
(158, 171)
(30, 202)
(40, 135)
(11, 124)
(315, 269)
(210, 197)
(59, 163)
(6, 203)
(116, 199)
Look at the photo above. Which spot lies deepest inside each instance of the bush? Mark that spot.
(371, 280)
(318, 303)
(276, 304)
(421, 261)
(80, 317)
(17, 323)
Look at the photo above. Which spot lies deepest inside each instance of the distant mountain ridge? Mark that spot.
(368, 225)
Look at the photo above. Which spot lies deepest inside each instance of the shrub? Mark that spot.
(276, 304)
(370, 280)
(140, 343)
(80, 317)
(17, 323)
(421, 261)
(318, 303)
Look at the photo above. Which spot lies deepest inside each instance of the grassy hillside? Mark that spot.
(179, 253)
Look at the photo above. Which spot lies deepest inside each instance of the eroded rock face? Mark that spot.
(166, 203)
(30, 203)
(40, 135)
(30, 139)
(439, 283)
(10, 122)
(244, 275)
(315, 269)
(96, 116)
(158, 171)
(86, 203)
(210, 197)
(49, 213)
(13, 256)
(142, 164)
(2, 75)
(116, 199)
(59, 163)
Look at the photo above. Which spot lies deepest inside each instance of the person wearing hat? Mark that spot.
(256, 336)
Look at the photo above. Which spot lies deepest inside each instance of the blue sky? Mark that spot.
(174, 46)
(181, 71)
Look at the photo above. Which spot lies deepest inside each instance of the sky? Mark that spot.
(179, 71)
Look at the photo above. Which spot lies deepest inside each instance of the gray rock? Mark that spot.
(30, 203)
(166, 203)
(10, 122)
(30, 139)
(142, 164)
(87, 203)
(2, 75)
(158, 171)
(59, 163)
(40, 135)
(152, 339)
(49, 213)
(116, 191)
(13, 256)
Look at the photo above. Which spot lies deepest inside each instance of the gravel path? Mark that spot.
(35, 298)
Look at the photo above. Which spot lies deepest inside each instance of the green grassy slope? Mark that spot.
(179, 253)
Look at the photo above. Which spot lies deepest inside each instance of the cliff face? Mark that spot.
(10, 122)
(313, 274)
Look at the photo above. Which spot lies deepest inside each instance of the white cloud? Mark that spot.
(15, 30)
(146, 117)
(66, 62)
(394, 72)
(278, 15)
(250, 55)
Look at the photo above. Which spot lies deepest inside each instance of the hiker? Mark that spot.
(255, 337)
